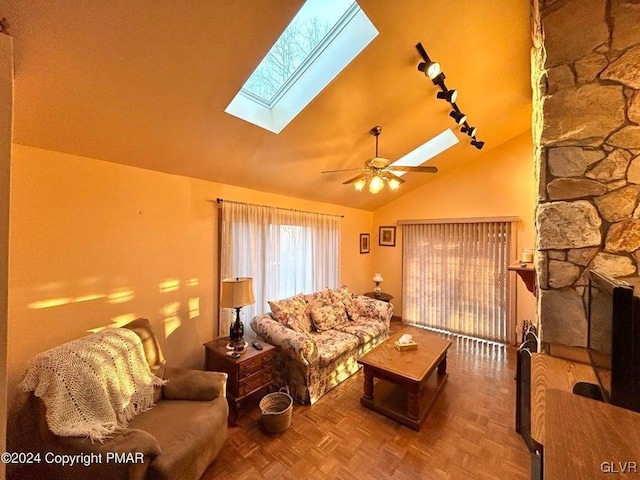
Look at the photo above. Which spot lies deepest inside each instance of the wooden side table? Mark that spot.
(385, 297)
(247, 375)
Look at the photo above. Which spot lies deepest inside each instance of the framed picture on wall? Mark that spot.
(365, 243)
(387, 237)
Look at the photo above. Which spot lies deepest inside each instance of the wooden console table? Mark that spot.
(582, 438)
(549, 372)
(589, 439)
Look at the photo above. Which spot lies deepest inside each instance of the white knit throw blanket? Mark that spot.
(94, 385)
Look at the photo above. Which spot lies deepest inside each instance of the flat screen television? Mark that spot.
(614, 339)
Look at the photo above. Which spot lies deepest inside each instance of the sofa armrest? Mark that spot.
(375, 309)
(298, 346)
(186, 384)
(127, 440)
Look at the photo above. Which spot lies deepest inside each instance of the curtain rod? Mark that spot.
(220, 200)
(459, 220)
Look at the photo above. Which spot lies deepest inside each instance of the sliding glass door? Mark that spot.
(455, 277)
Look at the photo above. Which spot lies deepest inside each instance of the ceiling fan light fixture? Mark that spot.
(448, 95)
(459, 117)
(477, 143)
(359, 185)
(376, 184)
(394, 184)
(471, 131)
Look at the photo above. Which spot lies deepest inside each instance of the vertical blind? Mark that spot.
(455, 277)
(284, 251)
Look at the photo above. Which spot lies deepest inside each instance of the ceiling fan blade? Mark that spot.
(413, 169)
(395, 177)
(355, 179)
(346, 170)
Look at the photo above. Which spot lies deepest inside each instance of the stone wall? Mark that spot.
(588, 215)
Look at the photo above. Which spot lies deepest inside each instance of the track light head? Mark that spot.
(471, 131)
(459, 117)
(430, 69)
(448, 95)
(439, 80)
(477, 143)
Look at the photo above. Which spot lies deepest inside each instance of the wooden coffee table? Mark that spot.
(405, 389)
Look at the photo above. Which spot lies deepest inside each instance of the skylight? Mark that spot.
(321, 40)
(426, 151)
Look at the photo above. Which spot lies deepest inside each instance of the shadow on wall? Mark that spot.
(64, 313)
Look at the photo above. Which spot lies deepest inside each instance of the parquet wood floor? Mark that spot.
(469, 434)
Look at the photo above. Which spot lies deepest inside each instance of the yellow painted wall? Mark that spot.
(6, 123)
(93, 242)
(499, 182)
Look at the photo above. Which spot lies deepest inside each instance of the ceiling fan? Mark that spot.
(379, 170)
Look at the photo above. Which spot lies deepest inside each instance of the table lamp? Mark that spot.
(377, 290)
(237, 294)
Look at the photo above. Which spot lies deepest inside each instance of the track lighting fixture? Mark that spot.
(471, 131)
(477, 143)
(439, 81)
(430, 69)
(459, 117)
(448, 95)
(434, 71)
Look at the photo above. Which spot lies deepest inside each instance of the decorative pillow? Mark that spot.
(292, 312)
(342, 294)
(326, 317)
(318, 299)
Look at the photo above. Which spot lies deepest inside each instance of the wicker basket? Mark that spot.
(276, 410)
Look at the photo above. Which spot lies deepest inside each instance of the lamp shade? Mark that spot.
(236, 293)
(377, 278)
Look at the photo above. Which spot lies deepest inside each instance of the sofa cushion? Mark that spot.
(342, 294)
(364, 329)
(329, 316)
(189, 434)
(292, 312)
(332, 343)
(373, 308)
(318, 299)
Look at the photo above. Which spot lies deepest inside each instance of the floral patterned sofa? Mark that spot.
(319, 337)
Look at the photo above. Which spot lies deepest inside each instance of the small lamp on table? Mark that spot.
(377, 290)
(236, 294)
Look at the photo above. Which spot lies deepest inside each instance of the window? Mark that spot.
(427, 150)
(321, 40)
(455, 276)
(285, 252)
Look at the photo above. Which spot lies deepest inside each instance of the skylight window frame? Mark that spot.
(351, 35)
(329, 37)
(428, 150)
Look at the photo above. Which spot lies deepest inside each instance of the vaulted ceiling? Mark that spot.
(146, 82)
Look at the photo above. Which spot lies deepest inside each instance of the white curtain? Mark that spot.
(455, 277)
(285, 252)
